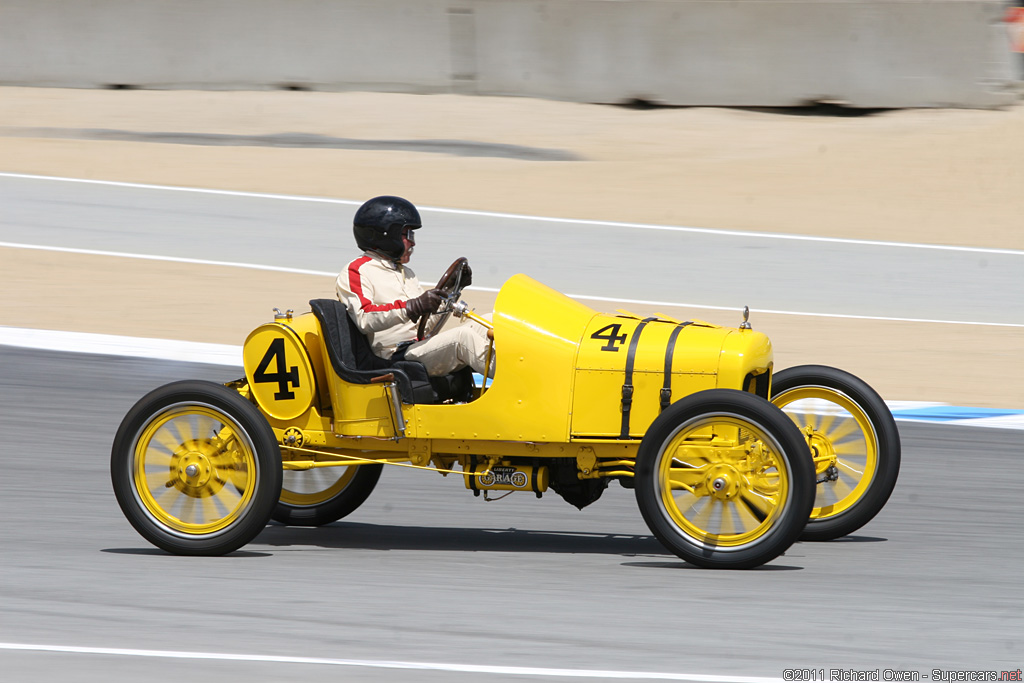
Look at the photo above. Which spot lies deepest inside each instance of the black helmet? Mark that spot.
(379, 223)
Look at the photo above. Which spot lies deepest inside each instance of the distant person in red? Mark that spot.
(1015, 20)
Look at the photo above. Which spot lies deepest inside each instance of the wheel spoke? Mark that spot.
(213, 508)
(716, 517)
(701, 509)
(182, 427)
(851, 449)
(156, 479)
(759, 506)
(685, 501)
(165, 438)
(855, 457)
(832, 492)
(800, 418)
(156, 460)
(825, 495)
(229, 497)
(187, 508)
(166, 497)
(842, 429)
(801, 415)
(749, 520)
(207, 427)
(222, 505)
(824, 426)
(844, 485)
(742, 520)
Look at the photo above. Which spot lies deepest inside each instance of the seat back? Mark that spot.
(354, 361)
(347, 348)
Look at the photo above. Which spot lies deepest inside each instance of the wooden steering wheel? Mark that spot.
(450, 287)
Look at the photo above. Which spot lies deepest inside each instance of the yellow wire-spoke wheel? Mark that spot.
(325, 494)
(853, 440)
(194, 469)
(842, 442)
(723, 479)
(727, 492)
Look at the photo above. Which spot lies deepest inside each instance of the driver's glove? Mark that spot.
(467, 276)
(426, 303)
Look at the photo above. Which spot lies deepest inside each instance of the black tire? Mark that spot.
(866, 474)
(322, 503)
(190, 445)
(738, 487)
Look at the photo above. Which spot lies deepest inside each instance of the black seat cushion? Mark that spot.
(354, 361)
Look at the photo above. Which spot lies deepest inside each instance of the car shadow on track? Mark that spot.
(859, 539)
(686, 565)
(158, 551)
(391, 537)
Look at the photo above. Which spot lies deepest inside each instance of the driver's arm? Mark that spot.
(358, 295)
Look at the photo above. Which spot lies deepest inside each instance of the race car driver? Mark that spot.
(385, 299)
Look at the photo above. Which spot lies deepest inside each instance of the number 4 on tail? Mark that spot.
(284, 377)
(610, 334)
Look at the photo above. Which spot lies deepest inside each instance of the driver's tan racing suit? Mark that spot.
(375, 290)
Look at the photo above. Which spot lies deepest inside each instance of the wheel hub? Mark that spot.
(822, 451)
(723, 482)
(194, 469)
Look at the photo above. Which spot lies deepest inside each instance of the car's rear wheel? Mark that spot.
(196, 469)
(854, 442)
(324, 495)
(723, 480)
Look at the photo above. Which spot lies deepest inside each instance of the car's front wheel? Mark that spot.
(853, 440)
(723, 480)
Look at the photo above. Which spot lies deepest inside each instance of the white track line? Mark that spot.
(129, 347)
(801, 313)
(585, 297)
(169, 259)
(386, 664)
(565, 221)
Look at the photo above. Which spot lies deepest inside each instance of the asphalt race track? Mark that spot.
(424, 574)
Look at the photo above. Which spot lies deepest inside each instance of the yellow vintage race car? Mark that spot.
(730, 463)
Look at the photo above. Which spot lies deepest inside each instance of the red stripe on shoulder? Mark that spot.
(355, 283)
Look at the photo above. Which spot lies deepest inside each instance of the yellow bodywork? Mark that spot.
(557, 390)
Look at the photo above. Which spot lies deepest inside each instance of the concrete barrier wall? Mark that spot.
(882, 53)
